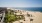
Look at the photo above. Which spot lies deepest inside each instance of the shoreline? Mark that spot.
(37, 16)
(25, 10)
(28, 10)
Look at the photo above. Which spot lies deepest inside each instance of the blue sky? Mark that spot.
(20, 3)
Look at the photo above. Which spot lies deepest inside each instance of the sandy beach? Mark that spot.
(37, 16)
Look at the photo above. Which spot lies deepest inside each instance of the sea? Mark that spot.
(30, 8)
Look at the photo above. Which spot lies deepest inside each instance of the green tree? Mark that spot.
(10, 17)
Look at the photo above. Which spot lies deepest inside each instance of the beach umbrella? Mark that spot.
(31, 19)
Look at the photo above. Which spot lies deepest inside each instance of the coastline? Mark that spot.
(28, 10)
(37, 16)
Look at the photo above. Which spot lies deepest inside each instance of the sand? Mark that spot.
(37, 16)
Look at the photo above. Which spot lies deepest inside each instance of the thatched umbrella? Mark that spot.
(31, 19)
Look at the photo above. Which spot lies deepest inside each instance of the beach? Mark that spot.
(36, 16)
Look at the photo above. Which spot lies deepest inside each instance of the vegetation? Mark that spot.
(10, 17)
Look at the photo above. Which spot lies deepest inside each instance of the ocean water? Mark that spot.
(30, 8)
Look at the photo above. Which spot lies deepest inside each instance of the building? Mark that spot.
(2, 14)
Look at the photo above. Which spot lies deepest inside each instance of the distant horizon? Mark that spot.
(20, 7)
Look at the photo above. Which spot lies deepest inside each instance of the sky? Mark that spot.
(20, 3)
